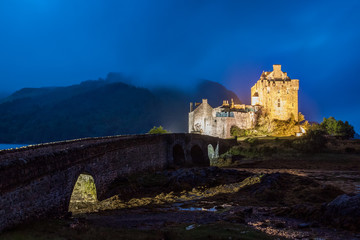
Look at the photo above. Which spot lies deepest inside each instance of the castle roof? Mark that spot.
(276, 74)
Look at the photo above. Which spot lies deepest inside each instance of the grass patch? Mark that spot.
(251, 151)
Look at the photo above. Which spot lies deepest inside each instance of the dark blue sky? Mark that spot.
(165, 42)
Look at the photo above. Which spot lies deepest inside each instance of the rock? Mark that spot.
(192, 226)
(248, 211)
(280, 225)
(219, 208)
(236, 217)
(264, 225)
(276, 187)
(314, 225)
(344, 212)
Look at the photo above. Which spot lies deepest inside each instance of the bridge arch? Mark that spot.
(211, 152)
(198, 156)
(84, 193)
(178, 154)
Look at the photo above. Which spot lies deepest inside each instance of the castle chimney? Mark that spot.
(277, 67)
(277, 71)
(204, 101)
(191, 107)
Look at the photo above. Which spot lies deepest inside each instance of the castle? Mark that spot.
(274, 93)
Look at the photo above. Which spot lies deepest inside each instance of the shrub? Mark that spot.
(158, 130)
(287, 143)
(313, 141)
(252, 141)
(267, 151)
(285, 127)
(235, 150)
(350, 150)
(238, 132)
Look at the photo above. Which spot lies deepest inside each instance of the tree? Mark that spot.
(158, 130)
(264, 123)
(337, 128)
(301, 117)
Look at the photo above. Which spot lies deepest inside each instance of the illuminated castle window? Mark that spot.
(278, 102)
(225, 114)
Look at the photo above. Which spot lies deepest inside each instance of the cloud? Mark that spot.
(164, 42)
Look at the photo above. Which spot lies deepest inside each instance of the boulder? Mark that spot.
(344, 212)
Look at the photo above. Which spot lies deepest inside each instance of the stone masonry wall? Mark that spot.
(204, 120)
(277, 93)
(279, 98)
(38, 181)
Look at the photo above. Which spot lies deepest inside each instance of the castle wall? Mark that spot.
(203, 120)
(200, 120)
(278, 97)
(243, 120)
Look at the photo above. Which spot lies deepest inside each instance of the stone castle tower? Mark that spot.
(277, 93)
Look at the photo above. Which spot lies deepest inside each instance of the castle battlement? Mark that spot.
(277, 93)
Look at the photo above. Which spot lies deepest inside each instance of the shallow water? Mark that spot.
(213, 209)
(357, 188)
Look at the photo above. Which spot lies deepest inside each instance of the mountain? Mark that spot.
(4, 95)
(356, 136)
(214, 92)
(176, 104)
(98, 108)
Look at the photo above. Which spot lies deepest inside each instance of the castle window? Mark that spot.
(278, 91)
(287, 91)
(278, 102)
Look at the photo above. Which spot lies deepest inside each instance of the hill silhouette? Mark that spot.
(98, 108)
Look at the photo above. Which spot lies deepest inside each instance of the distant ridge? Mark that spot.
(99, 108)
(356, 136)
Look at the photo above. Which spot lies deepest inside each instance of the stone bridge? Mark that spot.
(37, 181)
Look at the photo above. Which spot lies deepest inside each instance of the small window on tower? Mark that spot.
(278, 102)
(287, 91)
(278, 91)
